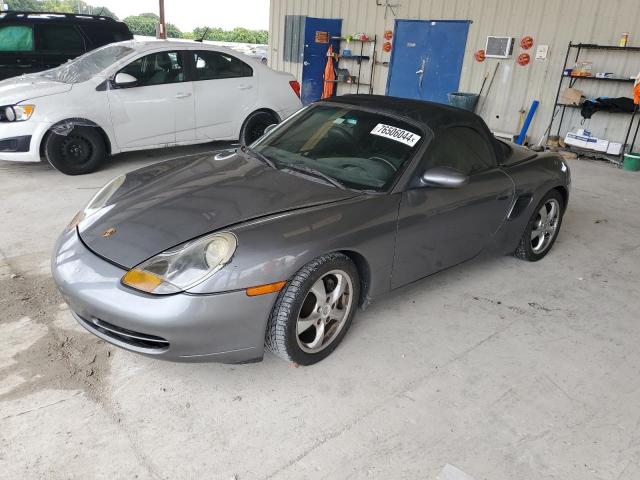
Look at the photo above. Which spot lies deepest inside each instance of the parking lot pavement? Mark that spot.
(502, 368)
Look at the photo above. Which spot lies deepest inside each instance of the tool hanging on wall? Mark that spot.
(484, 81)
(387, 6)
(489, 89)
(538, 147)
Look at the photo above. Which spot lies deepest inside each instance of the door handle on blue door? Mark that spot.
(420, 73)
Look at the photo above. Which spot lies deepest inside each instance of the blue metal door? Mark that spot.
(317, 35)
(427, 57)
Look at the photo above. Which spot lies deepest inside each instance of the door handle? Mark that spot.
(305, 63)
(245, 87)
(420, 73)
(183, 95)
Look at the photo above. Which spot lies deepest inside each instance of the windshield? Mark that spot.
(359, 149)
(88, 65)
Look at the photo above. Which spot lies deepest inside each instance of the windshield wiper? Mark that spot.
(316, 173)
(259, 156)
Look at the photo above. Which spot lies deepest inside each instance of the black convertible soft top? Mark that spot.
(433, 115)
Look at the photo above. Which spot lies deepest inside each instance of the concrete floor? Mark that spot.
(504, 369)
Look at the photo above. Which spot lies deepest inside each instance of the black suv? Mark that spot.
(31, 42)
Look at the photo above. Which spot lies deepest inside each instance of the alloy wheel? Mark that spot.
(324, 311)
(545, 226)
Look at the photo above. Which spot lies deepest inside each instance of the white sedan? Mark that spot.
(139, 95)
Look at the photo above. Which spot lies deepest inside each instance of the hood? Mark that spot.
(166, 204)
(28, 87)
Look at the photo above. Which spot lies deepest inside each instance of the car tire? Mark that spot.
(80, 151)
(254, 126)
(542, 230)
(301, 328)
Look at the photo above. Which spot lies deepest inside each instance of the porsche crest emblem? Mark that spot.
(109, 232)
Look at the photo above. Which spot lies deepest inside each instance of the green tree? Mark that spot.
(145, 24)
(63, 6)
(105, 12)
(24, 5)
(238, 34)
(56, 6)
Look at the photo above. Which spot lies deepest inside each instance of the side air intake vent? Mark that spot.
(520, 206)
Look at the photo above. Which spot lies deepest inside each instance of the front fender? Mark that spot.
(274, 248)
(81, 105)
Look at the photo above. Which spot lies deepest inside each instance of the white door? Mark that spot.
(225, 90)
(158, 109)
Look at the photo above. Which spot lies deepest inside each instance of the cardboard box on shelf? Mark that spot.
(571, 96)
(583, 139)
(614, 148)
(576, 140)
(600, 145)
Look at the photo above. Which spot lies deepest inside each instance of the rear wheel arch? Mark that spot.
(564, 192)
(268, 110)
(542, 228)
(250, 115)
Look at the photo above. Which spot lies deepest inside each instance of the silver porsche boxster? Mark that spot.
(213, 257)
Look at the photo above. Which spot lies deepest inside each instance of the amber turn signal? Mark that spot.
(141, 280)
(264, 289)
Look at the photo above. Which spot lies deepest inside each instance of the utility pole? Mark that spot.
(162, 30)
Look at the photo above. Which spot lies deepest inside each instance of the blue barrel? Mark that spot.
(466, 101)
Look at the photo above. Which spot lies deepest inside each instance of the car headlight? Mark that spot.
(18, 113)
(182, 267)
(98, 201)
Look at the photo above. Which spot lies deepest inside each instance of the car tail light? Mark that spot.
(296, 87)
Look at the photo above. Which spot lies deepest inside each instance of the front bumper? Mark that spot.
(12, 140)
(225, 327)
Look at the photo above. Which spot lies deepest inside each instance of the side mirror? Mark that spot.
(269, 128)
(125, 80)
(444, 177)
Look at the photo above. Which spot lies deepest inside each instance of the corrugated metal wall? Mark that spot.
(549, 22)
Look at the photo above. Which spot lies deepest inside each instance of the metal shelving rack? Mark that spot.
(359, 59)
(579, 47)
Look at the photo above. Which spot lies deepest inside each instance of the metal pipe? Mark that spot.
(635, 137)
(555, 102)
(626, 139)
(527, 122)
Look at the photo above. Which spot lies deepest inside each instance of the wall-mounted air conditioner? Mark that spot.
(499, 47)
